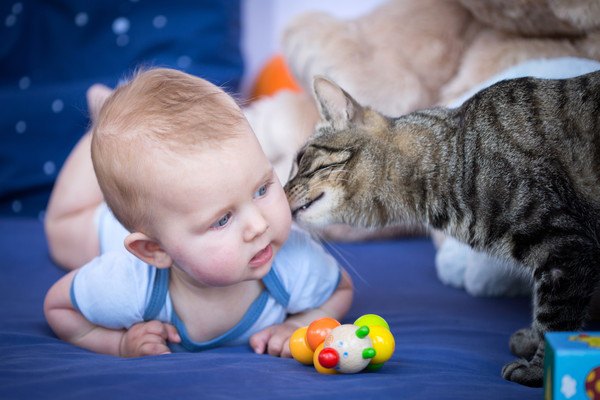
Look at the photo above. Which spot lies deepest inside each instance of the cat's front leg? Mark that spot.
(527, 372)
(563, 288)
(527, 343)
(524, 343)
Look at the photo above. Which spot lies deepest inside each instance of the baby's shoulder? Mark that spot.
(306, 270)
(116, 272)
(302, 255)
(113, 289)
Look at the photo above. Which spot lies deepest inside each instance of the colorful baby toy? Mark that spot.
(332, 347)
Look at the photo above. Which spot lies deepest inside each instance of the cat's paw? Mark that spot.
(524, 343)
(524, 372)
(451, 262)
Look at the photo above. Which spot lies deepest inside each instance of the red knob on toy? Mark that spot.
(329, 357)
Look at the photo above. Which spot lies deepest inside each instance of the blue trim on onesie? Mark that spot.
(158, 295)
(251, 316)
(276, 288)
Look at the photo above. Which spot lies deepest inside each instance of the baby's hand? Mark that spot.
(274, 340)
(148, 338)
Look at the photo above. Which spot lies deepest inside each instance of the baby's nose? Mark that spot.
(256, 225)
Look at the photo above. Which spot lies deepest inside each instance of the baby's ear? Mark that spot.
(336, 106)
(147, 250)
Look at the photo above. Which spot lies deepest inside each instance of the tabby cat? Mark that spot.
(514, 171)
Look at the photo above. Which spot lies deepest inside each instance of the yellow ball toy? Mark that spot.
(299, 347)
(383, 342)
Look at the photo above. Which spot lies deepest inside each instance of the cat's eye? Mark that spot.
(222, 221)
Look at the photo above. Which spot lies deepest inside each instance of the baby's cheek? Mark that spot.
(219, 267)
(281, 217)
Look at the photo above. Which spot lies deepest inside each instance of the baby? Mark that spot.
(196, 244)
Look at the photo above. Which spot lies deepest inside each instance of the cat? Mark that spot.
(514, 172)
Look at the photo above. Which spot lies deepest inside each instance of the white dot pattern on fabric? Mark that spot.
(81, 19)
(10, 20)
(122, 40)
(184, 62)
(21, 127)
(17, 206)
(49, 168)
(57, 106)
(24, 83)
(120, 26)
(159, 21)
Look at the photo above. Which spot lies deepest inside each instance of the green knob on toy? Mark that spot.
(362, 331)
(369, 352)
(374, 367)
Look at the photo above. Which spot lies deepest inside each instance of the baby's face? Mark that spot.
(223, 214)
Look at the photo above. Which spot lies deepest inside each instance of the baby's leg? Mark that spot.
(69, 223)
(70, 229)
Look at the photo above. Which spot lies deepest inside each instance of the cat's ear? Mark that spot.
(336, 106)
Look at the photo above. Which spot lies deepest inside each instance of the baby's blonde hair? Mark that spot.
(158, 111)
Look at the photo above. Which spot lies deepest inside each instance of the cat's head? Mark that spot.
(337, 173)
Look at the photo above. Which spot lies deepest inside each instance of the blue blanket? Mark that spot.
(448, 345)
(51, 52)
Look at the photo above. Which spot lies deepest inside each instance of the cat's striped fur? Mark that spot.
(514, 171)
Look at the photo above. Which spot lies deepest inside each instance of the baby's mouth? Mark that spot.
(262, 257)
(305, 206)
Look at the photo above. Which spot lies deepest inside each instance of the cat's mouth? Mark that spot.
(305, 206)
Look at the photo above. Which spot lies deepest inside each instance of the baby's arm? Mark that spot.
(275, 339)
(144, 338)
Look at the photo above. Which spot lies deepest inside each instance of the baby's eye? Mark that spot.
(261, 191)
(222, 221)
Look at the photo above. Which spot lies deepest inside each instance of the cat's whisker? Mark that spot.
(341, 256)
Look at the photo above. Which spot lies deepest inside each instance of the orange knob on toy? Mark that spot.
(318, 330)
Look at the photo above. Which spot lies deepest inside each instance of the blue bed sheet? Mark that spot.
(448, 345)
